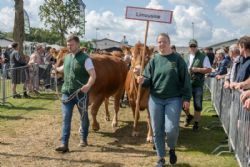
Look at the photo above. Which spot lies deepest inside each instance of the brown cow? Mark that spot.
(131, 86)
(108, 83)
(111, 74)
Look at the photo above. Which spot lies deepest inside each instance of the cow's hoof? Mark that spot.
(135, 133)
(80, 130)
(114, 124)
(150, 139)
(107, 118)
(96, 127)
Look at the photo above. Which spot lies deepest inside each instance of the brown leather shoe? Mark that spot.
(62, 149)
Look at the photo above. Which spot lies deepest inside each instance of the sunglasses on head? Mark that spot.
(192, 46)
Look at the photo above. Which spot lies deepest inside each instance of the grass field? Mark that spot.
(30, 130)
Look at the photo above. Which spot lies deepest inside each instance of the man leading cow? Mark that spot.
(79, 75)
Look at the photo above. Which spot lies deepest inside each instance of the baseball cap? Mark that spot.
(193, 42)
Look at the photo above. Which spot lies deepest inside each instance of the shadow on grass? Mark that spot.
(120, 149)
(180, 165)
(204, 140)
(123, 134)
(46, 96)
(18, 117)
(60, 159)
(23, 108)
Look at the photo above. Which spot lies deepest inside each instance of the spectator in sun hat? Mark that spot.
(34, 62)
(223, 63)
(198, 65)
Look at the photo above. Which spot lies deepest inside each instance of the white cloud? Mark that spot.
(236, 11)
(7, 15)
(115, 27)
(154, 4)
(7, 19)
(111, 26)
(32, 8)
(188, 2)
(184, 17)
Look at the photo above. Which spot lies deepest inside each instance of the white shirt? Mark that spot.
(206, 62)
(88, 64)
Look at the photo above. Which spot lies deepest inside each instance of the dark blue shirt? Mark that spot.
(243, 72)
(222, 67)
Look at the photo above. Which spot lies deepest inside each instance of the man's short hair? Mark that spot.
(73, 37)
(244, 42)
(14, 45)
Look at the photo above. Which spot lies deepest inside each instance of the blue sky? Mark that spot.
(214, 20)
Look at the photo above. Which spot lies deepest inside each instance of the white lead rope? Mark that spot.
(82, 102)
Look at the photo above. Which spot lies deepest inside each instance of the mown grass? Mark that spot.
(30, 130)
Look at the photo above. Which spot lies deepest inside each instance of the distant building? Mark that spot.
(4, 42)
(106, 43)
(223, 44)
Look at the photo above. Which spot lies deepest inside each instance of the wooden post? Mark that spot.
(137, 108)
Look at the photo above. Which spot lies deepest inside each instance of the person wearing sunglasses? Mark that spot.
(198, 65)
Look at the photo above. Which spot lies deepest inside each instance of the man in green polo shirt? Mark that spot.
(79, 74)
(198, 65)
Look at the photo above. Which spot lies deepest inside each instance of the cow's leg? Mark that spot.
(135, 131)
(150, 131)
(94, 109)
(107, 109)
(116, 107)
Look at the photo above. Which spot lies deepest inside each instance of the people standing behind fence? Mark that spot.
(35, 61)
(198, 65)
(230, 77)
(48, 62)
(223, 62)
(243, 74)
(167, 77)
(5, 56)
(17, 75)
(210, 54)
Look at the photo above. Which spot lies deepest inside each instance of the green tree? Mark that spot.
(43, 35)
(62, 17)
(18, 31)
(88, 45)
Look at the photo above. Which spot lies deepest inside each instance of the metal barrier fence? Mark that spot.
(234, 118)
(24, 77)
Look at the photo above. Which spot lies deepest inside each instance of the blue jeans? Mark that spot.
(165, 118)
(197, 93)
(67, 110)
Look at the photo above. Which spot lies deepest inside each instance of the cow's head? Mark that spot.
(127, 54)
(137, 54)
(60, 56)
(59, 62)
(53, 52)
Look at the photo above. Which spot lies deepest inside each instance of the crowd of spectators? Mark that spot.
(32, 70)
(234, 68)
